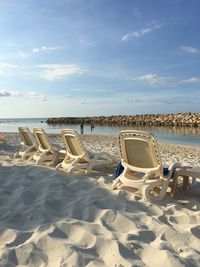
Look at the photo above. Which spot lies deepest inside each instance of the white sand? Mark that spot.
(48, 218)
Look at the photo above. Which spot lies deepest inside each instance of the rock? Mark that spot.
(178, 120)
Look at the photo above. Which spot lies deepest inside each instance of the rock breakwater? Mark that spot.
(178, 119)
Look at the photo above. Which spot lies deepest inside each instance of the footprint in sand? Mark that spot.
(57, 233)
(196, 231)
(145, 236)
(20, 239)
(113, 252)
(184, 219)
(164, 220)
(160, 258)
(7, 236)
(117, 222)
(29, 255)
(77, 234)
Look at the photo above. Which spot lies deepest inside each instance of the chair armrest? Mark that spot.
(172, 168)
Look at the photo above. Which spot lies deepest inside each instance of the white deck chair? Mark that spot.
(46, 152)
(77, 158)
(28, 145)
(142, 164)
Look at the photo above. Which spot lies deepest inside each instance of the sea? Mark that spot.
(172, 134)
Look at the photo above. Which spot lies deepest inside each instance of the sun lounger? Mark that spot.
(142, 164)
(77, 158)
(28, 145)
(46, 152)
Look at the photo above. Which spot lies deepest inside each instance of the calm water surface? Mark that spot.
(184, 135)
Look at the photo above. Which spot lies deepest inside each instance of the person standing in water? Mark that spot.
(81, 127)
(92, 126)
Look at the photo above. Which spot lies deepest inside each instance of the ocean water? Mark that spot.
(183, 135)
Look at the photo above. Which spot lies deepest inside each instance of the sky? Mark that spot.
(99, 57)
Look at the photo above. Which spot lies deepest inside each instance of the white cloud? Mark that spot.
(22, 54)
(5, 67)
(35, 95)
(45, 48)
(172, 66)
(67, 95)
(190, 50)
(85, 42)
(36, 50)
(150, 78)
(172, 101)
(154, 79)
(138, 100)
(166, 100)
(17, 94)
(191, 80)
(6, 93)
(137, 34)
(57, 71)
(93, 90)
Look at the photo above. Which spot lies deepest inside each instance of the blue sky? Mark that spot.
(99, 57)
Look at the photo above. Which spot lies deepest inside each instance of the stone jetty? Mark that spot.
(178, 119)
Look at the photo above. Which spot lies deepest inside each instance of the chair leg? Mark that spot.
(174, 186)
(148, 187)
(58, 166)
(165, 184)
(116, 183)
(185, 182)
(30, 159)
(54, 161)
(17, 155)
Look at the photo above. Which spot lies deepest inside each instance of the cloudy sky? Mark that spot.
(99, 57)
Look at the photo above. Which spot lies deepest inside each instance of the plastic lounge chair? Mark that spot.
(28, 145)
(77, 158)
(46, 152)
(142, 164)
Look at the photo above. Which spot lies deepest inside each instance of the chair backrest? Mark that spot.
(139, 149)
(27, 136)
(73, 143)
(43, 141)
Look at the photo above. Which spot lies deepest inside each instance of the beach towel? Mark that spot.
(118, 170)
(165, 171)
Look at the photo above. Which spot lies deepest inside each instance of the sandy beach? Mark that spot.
(49, 218)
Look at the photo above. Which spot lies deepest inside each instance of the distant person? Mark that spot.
(92, 127)
(81, 127)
